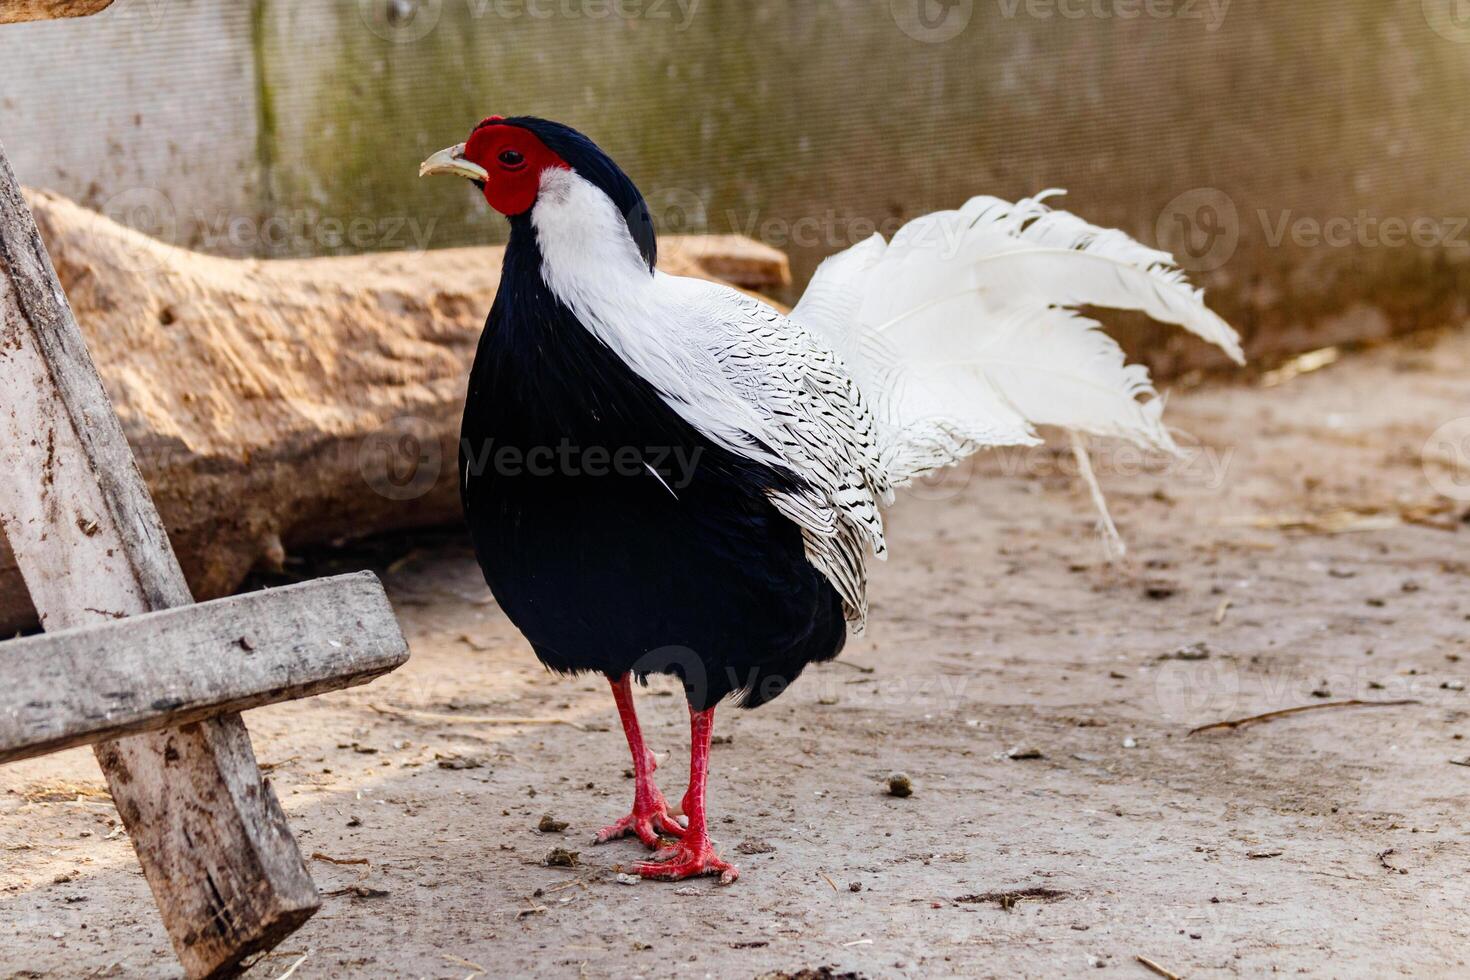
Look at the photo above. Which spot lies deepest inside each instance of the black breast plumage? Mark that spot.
(603, 563)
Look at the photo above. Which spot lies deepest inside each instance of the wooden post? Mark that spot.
(15, 11)
(227, 875)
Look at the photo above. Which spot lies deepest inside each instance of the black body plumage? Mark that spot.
(602, 564)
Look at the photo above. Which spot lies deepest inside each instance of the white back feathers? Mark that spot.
(903, 357)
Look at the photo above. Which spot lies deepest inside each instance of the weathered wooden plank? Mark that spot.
(15, 11)
(167, 669)
(228, 878)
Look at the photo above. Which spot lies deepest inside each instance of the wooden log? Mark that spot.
(168, 669)
(16, 11)
(228, 878)
(284, 404)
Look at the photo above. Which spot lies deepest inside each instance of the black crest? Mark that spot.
(595, 166)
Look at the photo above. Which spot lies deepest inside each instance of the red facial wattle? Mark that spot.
(514, 159)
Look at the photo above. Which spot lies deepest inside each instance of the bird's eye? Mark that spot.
(512, 158)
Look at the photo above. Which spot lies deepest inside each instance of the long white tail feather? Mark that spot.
(1113, 546)
(963, 332)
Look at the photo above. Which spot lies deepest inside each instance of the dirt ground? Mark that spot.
(1062, 821)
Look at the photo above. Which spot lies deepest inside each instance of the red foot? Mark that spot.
(647, 822)
(650, 816)
(687, 860)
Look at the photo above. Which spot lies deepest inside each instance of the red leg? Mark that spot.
(694, 855)
(650, 816)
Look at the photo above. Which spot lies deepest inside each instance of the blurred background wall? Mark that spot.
(1306, 160)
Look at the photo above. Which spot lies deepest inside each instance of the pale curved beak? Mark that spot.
(452, 161)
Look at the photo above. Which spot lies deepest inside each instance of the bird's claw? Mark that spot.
(648, 823)
(687, 860)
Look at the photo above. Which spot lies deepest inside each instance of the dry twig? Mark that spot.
(852, 666)
(1300, 709)
(432, 716)
(1164, 972)
(461, 961)
(293, 967)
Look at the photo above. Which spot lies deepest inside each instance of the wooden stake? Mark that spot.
(210, 835)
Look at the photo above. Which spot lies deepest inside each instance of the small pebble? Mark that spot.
(628, 879)
(900, 785)
(1130, 742)
(1194, 651)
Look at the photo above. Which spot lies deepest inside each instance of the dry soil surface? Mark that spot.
(1063, 820)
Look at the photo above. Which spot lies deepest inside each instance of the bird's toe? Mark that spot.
(686, 860)
(650, 825)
